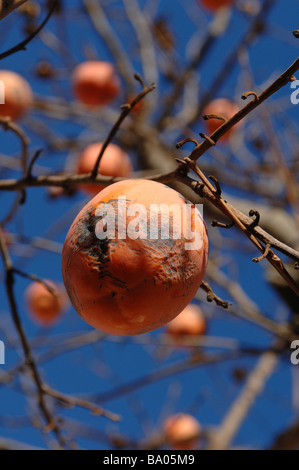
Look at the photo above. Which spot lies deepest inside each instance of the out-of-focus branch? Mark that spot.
(280, 82)
(7, 124)
(9, 281)
(169, 371)
(217, 199)
(11, 444)
(145, 39)
(7, 7)
(256, 28)
(275, 150)
(100, 22)
(246, 308)
(217, 28)
(288, 439)
(222, 438)
(124, 113)
(71, 401)
(22, 45)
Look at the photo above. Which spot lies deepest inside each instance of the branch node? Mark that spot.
(215, 223)
(218, 190)
(183, 168)
(126, 106)
(30, 167)
(250, 93)
(198, 188)
(52, 425)
(179, 160)
(137, 77)
(206, 137)
(256, 214)
(214, 116)
(213, 297)
(263, 256)
(183, 142)
(22, 45)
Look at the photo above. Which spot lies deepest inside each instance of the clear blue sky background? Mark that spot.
(205, 392)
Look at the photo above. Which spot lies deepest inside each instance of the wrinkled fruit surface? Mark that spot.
(128, 286)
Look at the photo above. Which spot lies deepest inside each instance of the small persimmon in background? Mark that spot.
(138, 108)
(46, 307)
(95, 83)
(222, 107)
(214, 5)
(114, 162)
(181, 431)
(190, 322)
(17, 95)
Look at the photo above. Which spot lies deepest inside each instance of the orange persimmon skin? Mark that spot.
(44, 307)
(17, 95)
(114, 162)
(95, 83)
(131, 286)
(214, 5)
(181, 431)
(223, 107)
(190, 321)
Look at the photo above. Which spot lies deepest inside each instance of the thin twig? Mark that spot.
(124, 113)
(8, 124)
(222, 204)
(281, 81)
(211, 296)
(9, 282)
(222, 438)
(22, 45)
(100, 22)
(72, 401)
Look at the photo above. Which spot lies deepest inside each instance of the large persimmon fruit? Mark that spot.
(214, 5)
(134, 276)
(182, 431)
(44, 306)
(95, 83)
(114, 162)
(222, 107)
(190, 322)
(17, 95)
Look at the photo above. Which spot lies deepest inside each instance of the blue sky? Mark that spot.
(94, 369)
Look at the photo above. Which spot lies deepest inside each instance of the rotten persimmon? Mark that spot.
(134, 257)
